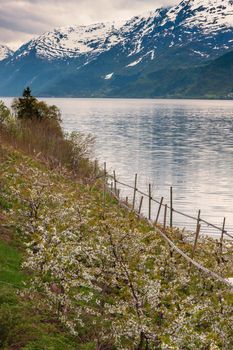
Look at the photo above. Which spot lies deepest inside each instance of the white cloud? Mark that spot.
(20, 20)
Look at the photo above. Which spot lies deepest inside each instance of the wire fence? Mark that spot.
(167, 220)
(158, 211)
(190, 259)
(162, 211)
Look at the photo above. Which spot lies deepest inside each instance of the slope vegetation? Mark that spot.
(93, 275)
(213, 80)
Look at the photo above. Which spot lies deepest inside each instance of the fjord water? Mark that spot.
(184, 143)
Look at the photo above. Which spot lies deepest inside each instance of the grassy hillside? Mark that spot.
(23, 324)
(101, 264)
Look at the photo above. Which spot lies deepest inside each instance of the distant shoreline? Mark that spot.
(128, 98)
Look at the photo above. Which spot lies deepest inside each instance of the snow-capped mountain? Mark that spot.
(208, 15)
(5, 52)
(203, 27)
(72, 42)
(192, 17)
(102, 59)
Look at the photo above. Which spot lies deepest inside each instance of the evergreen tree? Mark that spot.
(28, 107)
(25, 107)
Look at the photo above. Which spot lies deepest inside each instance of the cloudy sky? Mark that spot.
(20, 20)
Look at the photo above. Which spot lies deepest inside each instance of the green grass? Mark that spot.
(10, 271)
(21, 325)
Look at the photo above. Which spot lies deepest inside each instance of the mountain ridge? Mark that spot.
(98, 59)
(5, 52)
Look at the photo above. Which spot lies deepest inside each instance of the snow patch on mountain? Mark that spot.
(202, 54)
(5, 52)
(109, 76)
(75, 41)
(207, 15)
(134, 63)
(139, 28)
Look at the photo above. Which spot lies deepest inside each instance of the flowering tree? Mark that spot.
(110, 278)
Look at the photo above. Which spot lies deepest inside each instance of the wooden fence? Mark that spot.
(113, 189)
(168, 207)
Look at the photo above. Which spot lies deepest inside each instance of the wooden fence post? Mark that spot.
(222, 235)
(171, 207)
(196, 239)
(135, 190)
(199, 217)
(165, 218)
(95, 168)
(149, 211)
(104, 192)
(115, 182)
(140, 205)
(160, 206)
(126, 200)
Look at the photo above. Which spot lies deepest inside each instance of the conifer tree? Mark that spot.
(29, 107)
(25, 106)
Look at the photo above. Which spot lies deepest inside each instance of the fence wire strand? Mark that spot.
(209, 224)
(199, 266)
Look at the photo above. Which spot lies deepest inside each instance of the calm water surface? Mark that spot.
(183, 143)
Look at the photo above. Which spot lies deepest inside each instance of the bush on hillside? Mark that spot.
(35, 127)
(33, 113)
(5, 113)
(28, 107)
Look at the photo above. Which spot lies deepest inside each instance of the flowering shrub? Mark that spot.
(109, 277)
